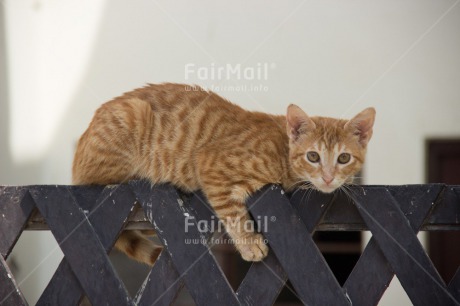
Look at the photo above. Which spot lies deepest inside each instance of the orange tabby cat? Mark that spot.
(195, 139)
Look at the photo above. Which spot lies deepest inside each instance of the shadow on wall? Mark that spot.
(10, 173)
(54, 167)
(115, 65)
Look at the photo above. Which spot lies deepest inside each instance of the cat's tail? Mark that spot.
(138, 246)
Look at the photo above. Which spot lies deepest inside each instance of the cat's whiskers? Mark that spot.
(354, 178)
(348, 191)
(302, 184)
(345, 192)
(310, 191)
(352, 190)
(309, 187)
(299, 182)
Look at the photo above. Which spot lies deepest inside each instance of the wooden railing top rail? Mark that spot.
(341, 215)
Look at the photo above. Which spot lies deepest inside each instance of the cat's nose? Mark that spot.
(328, 179)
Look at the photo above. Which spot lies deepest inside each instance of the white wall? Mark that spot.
(332, 58)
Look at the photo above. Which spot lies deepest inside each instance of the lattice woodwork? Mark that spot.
(87, 220)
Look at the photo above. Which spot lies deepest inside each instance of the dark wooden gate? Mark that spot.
(87, 220)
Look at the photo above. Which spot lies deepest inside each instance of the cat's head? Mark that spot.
(327, 152)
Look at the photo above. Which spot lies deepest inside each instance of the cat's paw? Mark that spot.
(253, 248)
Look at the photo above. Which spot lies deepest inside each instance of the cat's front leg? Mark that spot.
(227, 184)
(240, 227)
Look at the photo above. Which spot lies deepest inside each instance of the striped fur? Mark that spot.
(195, 139)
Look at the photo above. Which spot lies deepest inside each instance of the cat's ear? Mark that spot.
(361, 125)
(298, 122)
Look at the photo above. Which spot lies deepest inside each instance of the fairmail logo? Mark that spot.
(259, 72)
(260, 223)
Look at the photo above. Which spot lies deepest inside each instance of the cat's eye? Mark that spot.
(344, 158)
(313, 156)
